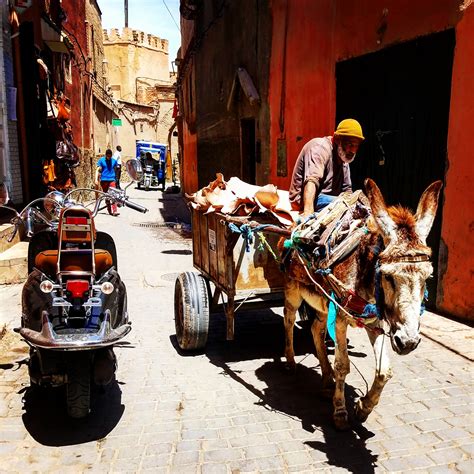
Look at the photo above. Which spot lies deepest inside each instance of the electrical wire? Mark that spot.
(171, 15)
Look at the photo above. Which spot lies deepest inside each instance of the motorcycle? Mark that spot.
(74, 303)
(153, 173)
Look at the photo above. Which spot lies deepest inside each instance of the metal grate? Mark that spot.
(168, 231)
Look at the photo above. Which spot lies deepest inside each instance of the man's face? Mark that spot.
(347, 148)
(108, 156)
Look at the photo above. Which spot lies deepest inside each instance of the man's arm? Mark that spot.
(98, 172)
(309, 195)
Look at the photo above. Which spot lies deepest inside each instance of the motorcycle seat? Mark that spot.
(47, 261)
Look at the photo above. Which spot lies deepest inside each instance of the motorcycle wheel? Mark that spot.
(78, 392)
(191, 310)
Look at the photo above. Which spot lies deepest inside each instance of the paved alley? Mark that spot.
(231, 408)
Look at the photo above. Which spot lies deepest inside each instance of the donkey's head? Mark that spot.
(403, 265)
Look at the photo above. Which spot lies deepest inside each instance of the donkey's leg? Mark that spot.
(318, 329)
(293, 300)
(341, 369)
(383, 373)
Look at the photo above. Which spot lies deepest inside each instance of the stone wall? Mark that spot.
(134, 57)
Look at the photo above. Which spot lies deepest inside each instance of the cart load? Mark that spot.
(238, 230)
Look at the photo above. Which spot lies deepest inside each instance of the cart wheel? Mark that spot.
(191, 310)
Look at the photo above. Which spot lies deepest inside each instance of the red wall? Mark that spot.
(189, 163)
(322, 32)
(80, 119)
(309, 92)
(457, 295)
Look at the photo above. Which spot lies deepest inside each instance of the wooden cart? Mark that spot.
(251, 277)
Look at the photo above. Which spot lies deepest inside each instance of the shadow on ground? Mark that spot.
(175, 208)
(46, 420)
(298, 395)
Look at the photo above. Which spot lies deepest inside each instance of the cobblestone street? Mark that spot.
(232, 408)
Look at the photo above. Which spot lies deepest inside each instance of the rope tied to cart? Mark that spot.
(247, 231)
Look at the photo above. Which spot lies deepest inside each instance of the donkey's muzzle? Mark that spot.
(404, 346)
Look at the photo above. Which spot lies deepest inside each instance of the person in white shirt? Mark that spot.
(118, 169)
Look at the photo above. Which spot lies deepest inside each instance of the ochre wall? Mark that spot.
(457, 290)
(129, 60)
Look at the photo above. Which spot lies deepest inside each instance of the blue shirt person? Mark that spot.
(105, 176)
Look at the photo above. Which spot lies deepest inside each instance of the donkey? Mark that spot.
(389, 268)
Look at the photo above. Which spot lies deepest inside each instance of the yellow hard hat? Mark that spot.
(349, 128)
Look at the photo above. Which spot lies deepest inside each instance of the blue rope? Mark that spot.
(425, 299)
(247, 232)
(370, 310)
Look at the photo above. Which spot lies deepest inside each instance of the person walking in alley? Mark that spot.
(105, 176)
(118, 170)
(322, 170)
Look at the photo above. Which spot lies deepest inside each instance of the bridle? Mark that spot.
(379, 296)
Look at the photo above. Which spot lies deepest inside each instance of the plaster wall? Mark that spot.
(456, 285)
(78, 88)
(130, 60)
(220, 102)
(144, 123)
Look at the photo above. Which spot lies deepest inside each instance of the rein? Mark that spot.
(363, 319)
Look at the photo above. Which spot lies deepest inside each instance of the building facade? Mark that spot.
(10, 171)
(104, 108)
(402, 70)
(140, 81)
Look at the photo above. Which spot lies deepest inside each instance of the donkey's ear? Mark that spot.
(379, 210)
(426, 211)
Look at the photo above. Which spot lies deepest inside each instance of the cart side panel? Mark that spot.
(258, 269)
(222, 243)
(212, 224)
(204, 243)
(196, 228)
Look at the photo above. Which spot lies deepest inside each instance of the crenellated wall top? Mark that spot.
(129, 35)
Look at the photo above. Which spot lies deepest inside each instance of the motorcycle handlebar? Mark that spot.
(135, 206)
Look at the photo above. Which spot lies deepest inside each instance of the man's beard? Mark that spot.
(343, 155)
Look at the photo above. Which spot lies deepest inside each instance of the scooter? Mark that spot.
(74, 303)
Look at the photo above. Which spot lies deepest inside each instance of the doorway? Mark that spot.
(401, 96)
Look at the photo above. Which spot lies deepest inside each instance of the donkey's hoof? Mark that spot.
(361, 412)
(341, 422)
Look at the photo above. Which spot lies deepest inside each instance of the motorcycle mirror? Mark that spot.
(4, 198)
(134, 169)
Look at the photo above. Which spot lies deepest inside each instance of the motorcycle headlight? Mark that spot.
(50, 207)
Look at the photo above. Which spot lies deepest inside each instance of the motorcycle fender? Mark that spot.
(116, 302)
(34, 301)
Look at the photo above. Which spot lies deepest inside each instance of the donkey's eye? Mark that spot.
(390, 280)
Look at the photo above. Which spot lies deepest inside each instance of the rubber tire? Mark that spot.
(191, 311)
(78, 392)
